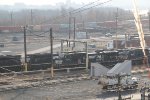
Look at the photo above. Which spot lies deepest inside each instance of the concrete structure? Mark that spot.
(98, 69)
(121, 68)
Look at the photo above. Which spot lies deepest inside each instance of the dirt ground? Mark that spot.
(75, 88)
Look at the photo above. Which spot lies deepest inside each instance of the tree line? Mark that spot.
(61, 16)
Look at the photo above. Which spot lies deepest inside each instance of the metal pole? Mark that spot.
(31, 17)
(117, 29)
(125, 40)
(69, 27)
(87, 57)
(62, 46)
(119, 87)
(25, 50)
(51, 48)
(83, 26)
(74, 30)
(86, 35)
(67, 43)
(149, 20)
(11, 18)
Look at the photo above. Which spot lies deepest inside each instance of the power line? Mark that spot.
(93, 6)
(39, 35)
(85, 5)
(71, 12)
(77, 10)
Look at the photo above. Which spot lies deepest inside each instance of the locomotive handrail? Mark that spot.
(23, 72)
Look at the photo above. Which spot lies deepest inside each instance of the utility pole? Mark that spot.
(11, 18)
(125, 40)
(119, 87)
(31, 17)
(149, 20)
(83, 26)
(117, 29)
(87, 57)
(62, 46)
(69, 27)
(74, 19)
(25, 50)
(51, 50)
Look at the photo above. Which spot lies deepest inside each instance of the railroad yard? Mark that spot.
(71, 82)
(83, 52)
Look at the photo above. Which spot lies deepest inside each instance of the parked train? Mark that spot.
(110, 58)
(107, 58)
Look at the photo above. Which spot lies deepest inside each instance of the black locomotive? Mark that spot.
(107, 58)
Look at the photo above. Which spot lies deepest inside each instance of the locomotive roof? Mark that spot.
(108, 52)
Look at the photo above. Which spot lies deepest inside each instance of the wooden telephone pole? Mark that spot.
(51, 50)
(25, 50)
(117, 29)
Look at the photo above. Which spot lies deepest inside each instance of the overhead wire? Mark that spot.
(39, 35)
(93, 6)
(78, 10)
(66, 14)
(85, 6)
(70, 12)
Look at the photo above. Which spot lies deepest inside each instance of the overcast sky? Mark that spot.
(118, 3)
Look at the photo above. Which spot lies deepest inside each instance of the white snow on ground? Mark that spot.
(43, 49)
